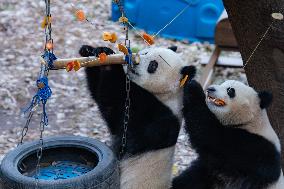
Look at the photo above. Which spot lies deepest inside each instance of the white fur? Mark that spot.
(261, 126)
(245, 109)
(166, 79)
(174, 102)
(164, 83)
(152, 170)
(279, 184)
(240, 110)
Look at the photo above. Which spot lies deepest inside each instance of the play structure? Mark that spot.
(76, 162)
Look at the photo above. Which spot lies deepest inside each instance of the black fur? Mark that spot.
(188, 70)
(226, 154)
(231, 92)
(152, 125)
(173, 48)
(152, 67)
(265, 99)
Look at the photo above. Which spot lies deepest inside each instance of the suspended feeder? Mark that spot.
(59, 161)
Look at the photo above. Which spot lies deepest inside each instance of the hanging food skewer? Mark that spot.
(94, 61)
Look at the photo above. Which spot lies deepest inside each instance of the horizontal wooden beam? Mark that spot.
(94, 61)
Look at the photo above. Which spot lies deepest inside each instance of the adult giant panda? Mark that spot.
(236, 145)
(155, 113)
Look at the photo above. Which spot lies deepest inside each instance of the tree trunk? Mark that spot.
(265, 71)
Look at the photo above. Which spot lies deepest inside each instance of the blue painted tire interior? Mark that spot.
(59, 163)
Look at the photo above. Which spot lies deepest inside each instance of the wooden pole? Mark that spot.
(94, 61)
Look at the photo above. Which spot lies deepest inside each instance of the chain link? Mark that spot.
(128, 84)
(25, 129)
(126, 117)
(39, 151)
(44, 120)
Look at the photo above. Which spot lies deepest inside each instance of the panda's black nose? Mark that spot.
(211, 89)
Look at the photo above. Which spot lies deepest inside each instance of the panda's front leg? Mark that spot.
(193, 94)
(107, 87)
(200, 122)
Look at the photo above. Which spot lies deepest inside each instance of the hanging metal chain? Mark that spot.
(48, 28)
(126, 106)
(40, 149)
(127, 84)
(26, 127)
(45, 71)
(126, 117)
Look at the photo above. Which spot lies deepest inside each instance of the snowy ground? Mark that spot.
(70, 110)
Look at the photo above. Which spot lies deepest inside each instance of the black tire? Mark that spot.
(104, 176)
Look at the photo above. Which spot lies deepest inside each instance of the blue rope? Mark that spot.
(44, 92)
(128, 58)
(49, 58)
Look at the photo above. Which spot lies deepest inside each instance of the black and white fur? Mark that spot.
(155, 113)
(236, 145)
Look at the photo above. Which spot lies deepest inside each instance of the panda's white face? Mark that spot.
(158, 70)
(233, 102)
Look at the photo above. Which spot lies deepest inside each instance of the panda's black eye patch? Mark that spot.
(231, 92)
(152, 67)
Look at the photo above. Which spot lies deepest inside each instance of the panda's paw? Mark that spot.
(193, 92)
(190, 71)
(87, 50)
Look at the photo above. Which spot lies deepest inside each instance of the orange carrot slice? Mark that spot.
(183, 81)
(80, 15)
(102, 57)
(107, 36)
(122, 49)
(113, 38)
(49, 45)
(148, 38)
(123, 19)
(76, 65)
(69, 66)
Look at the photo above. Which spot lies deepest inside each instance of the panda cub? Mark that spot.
(155, 113)
(230, 131)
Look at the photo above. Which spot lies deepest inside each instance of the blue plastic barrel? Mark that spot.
(197, 23)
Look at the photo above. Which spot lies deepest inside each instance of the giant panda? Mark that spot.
(155, 112)
(230, 131)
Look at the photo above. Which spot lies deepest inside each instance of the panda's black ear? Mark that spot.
(173, 48)
(189, 70)
(265, 99)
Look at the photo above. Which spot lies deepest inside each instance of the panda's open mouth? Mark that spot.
(216, 101)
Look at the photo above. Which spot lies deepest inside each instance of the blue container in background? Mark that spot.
(197, 23)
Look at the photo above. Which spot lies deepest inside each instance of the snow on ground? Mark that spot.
(70, 110)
